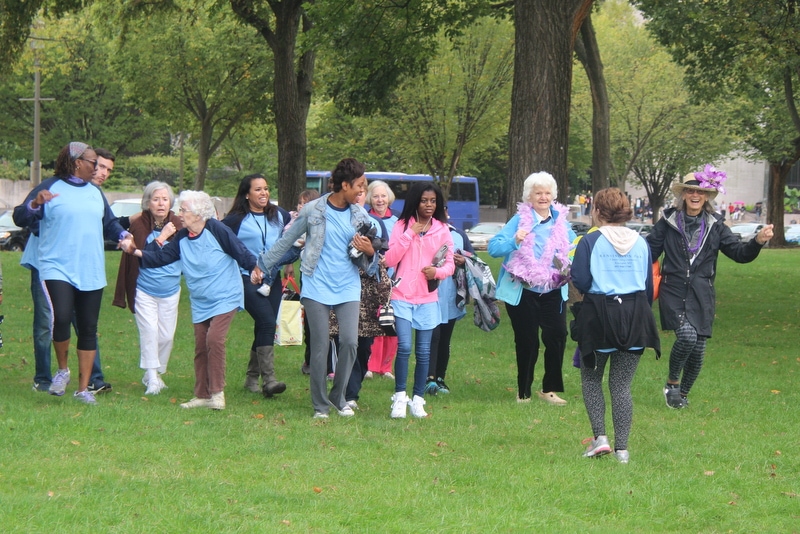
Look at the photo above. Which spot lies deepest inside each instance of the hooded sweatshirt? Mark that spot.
(613, 261)
(409, 252)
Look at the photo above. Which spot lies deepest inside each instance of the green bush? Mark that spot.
(14, 169)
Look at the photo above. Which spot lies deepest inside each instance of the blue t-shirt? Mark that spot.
(335, 279)
(71, 236)
(447, 288)
(259, 233)
(160, 282)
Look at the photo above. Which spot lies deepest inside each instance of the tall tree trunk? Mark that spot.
(778, 172)
(292, 88)
(588, 53)
(545, 33)
(203, 153)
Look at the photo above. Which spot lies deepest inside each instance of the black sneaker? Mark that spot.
(42, 387)
(99, 387)
(672, 394)
(442, 386)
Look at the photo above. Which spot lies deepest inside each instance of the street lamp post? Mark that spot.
(36, 164)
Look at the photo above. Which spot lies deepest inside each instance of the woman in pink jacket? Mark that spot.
(421, 250)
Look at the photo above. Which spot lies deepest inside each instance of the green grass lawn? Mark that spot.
(479, 463)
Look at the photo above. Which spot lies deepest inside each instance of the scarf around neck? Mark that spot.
(550, 270)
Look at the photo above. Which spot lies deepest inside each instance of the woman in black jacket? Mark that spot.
(690, 236)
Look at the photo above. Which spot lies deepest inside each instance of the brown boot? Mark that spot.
(251, 382)
(266, 361)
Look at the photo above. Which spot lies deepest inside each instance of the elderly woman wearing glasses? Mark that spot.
(210, 255)
(72, 218)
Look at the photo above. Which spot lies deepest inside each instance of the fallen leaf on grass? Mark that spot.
(452, 492)
(317, 489)
(788, 494)
(50, 494)
(732, 503)
(775, 391)
(75, 442)
(173, 400)
(433, 454)
(708, 473)
(777, 453)
(286, 522)
(188, 422)
(441, 444)
(145, 399)
(258, 416)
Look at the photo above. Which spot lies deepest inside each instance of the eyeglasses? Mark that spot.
(92, 161)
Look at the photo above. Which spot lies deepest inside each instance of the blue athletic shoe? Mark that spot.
(431, 388)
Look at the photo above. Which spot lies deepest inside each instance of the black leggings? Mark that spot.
(64, 300)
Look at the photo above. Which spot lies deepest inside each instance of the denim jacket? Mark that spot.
(311, 221)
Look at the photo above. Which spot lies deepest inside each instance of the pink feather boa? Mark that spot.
(550, 270)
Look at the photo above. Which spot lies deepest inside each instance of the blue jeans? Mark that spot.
(422, 350)
(41, 331)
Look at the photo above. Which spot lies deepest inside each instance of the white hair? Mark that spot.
(539, 179)
(199, 203)
(151, 188)
(379, 183)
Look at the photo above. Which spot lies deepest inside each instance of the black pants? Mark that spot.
(65, 300)
(537, 311)
(440, 349)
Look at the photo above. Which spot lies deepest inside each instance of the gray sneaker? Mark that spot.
(85, 396)
(622, 456)
(672, 395)
(59, 384)
(598, 447)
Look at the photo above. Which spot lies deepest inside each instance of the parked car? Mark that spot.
(746, 231)
(580, 228)
(792, 233)
(123, 208)
(640, 228)
(12, 237)
(480, 234)
(126, 207)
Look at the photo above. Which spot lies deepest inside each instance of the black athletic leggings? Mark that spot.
(64, 300)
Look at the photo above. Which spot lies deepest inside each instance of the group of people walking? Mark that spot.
(612, 268)
(354, 262)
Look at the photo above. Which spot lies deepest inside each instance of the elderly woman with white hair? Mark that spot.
(152, 294)
(380, 197)
(535, 244)
(210, 255)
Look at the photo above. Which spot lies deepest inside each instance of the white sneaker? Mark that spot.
(417, 407)
(368, 374)
(347, 411)
(196, 402)
(352, 404)
(320, 415)
(390, 376)
(399, 405)
(154, 386)
(217, 401)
